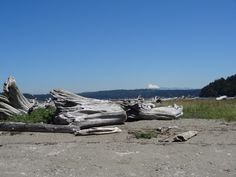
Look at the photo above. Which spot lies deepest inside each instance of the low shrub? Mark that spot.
(36, 116)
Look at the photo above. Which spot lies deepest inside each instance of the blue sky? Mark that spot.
(88, 45)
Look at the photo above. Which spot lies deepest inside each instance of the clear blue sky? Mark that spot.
(88, 45)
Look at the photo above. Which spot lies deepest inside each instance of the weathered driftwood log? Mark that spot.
(37, 127)
(6, 109)
(13, 101)
(163, 112)
(86, 112)
(98, 131)
(184, 136)
(15, 97)
(51, 128)
(141, 110)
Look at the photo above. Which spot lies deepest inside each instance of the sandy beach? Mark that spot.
(211, 153)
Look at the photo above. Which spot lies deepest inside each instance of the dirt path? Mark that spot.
(211, 153)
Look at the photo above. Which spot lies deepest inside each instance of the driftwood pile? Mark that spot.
(77, 114)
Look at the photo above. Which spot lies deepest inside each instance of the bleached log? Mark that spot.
(15, 97)
(86, 112)
(184, 136)
(165, 113)
(221, 98)
(141, 110)
(98, 131)
(14, 102)
(52, 128)
(9, 109)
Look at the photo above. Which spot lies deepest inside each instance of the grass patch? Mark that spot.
(37, 116)
(144, 134)
(208, 109)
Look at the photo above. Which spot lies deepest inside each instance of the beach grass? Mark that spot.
(40, 115)
(144, 134)
(198, 109)
(207, 108)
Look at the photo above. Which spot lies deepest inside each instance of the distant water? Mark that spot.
(126, 94)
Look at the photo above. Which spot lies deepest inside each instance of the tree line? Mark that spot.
(220, 87)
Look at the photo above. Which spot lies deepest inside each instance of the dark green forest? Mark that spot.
(220, 87)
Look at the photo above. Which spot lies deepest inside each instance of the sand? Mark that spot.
(211, 153)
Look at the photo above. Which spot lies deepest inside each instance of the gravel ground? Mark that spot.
(211, 153)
